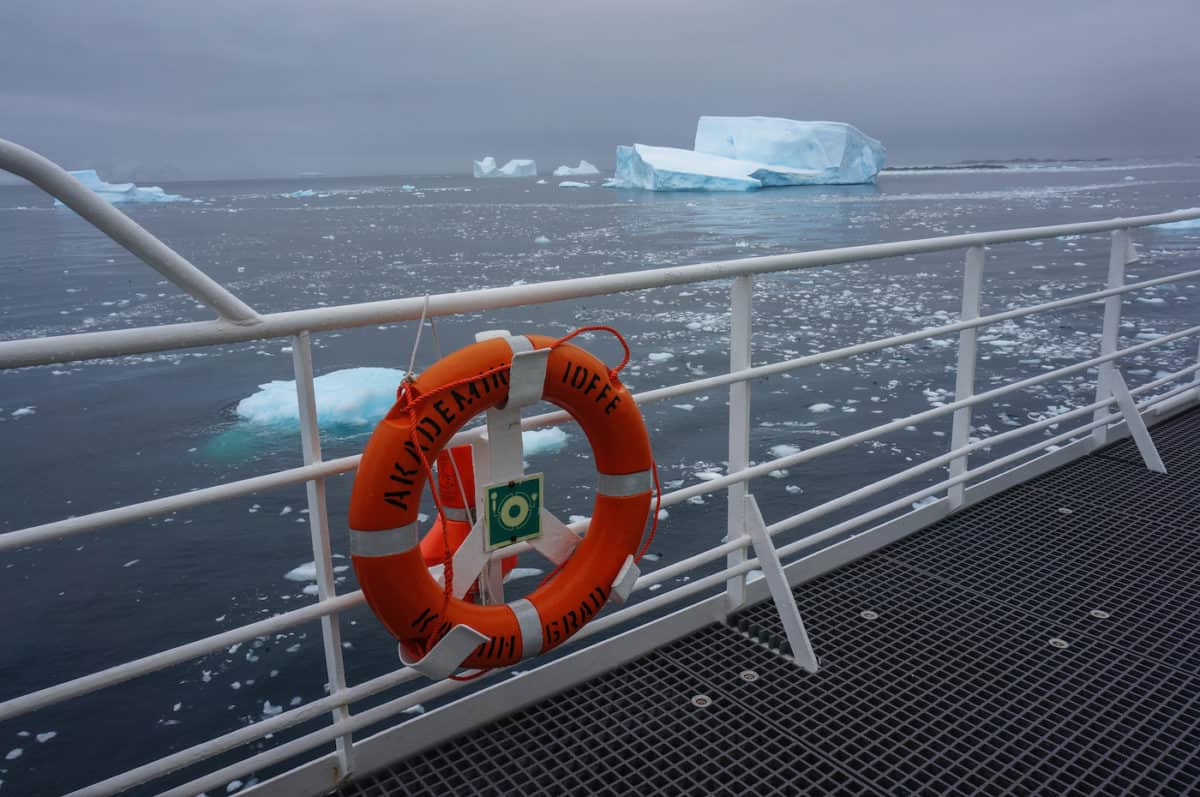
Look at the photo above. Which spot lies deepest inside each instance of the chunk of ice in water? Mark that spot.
(783, 450)
(351, 397)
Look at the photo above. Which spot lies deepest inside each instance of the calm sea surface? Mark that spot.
(82, 437)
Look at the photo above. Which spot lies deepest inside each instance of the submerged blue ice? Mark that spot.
(122, 192)
(745, 153)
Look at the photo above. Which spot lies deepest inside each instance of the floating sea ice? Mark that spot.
(793, 489)
(541, 240)
(573, 184)
(779, 473)
(233, 786)
(820, 407)
(543, 441)
(926, 501)
(311, 589)
(131, 563)
(47, 736)
(708, 475)
(20, 411)
(304, 572)
(684, 407)
(522, 572)
(661, 356)
(270, 710)
(14, 754)
(301, 194)
(351, 397)
(416, 709)
(584, 168)
(782, 450)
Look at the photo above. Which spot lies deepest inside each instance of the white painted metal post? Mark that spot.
(964, 383)
(781, 591)
(318, 525)
(739, 427)
(1118, 251)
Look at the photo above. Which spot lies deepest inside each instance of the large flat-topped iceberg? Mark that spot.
(584, 168)
(673, 169)
(122, 192)
(838, 150)
(517, 167)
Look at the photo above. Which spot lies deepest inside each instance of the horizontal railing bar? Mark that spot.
(174, 503)
(280, 722)
(132, 512)
(204, 750)
(176, 655)
(391, 708)
(988, 442)
(791, 460)
(112, 343)
(900, 503)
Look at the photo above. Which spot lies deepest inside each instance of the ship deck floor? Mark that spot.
(1045, 640)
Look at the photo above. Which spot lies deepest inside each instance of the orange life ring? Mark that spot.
(385, 501)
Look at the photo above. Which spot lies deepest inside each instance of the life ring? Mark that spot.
(385, 499)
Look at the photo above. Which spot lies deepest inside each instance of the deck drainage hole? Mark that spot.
(1059, 643)
(1099, 614)
(701, 701)
(867, 614)
(749, 676)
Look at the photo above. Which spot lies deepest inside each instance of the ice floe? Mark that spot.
(349, 397)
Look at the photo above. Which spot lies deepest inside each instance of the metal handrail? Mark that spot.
(238, 322)
(58, 183)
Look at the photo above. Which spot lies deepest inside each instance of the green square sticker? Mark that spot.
(513, 512)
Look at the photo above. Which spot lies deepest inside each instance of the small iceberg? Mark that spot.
(303, 193)
(349, 397)
(572, 184)
(517, 167)
(582, 170)
(117, 193)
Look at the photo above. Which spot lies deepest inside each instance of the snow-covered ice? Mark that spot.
(573, 184)
(841, 153)
(517, 167)
(543, 441)
(783, 450)
(584, 168)
(673, 169)
(350, 397)
(122, 192)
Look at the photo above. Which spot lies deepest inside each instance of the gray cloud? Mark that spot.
(270, 87)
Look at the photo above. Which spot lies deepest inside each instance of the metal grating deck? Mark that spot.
(1044, 641)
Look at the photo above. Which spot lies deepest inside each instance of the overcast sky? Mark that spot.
(216, 88)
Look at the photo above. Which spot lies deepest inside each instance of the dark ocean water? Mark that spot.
(87, 436)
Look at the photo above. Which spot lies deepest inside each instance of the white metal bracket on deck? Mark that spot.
(781, 591)
(1137, 425)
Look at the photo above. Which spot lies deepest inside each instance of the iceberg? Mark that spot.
(122, 192)
(842, 153)
(517, 167)
(744, 153)
(584, 168)
(674, 169)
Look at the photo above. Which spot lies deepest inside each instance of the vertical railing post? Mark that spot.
(318, 525)
(739, 427)
(964, 382)
(1118, 252)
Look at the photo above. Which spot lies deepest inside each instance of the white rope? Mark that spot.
(412, 360)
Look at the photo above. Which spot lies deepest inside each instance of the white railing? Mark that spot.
(744, 536)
